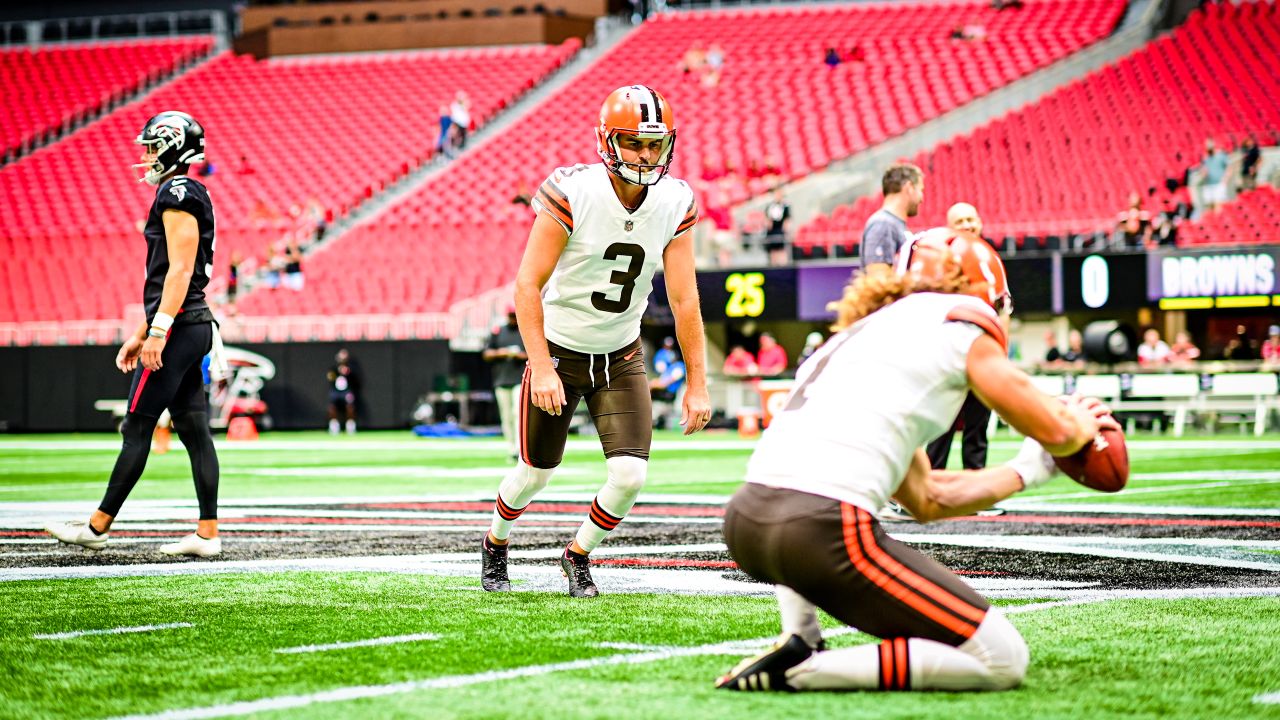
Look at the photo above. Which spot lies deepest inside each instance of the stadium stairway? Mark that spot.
(859, 175)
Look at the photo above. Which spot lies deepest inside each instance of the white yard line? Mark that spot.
(1268, 699)
(389, 640)
(641, 655)
(111, 631)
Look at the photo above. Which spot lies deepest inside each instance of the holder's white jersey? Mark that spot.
(601, 285)
(870, 397)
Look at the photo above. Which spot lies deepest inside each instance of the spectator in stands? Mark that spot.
(1213, 177)
(245, 168)
(262, 214)
(812, 342)
(771, 173)
(1249, 162)
(444, 143)
(1271, 347)
(1164, 231)
(693, 61)
(1153, 350)
(1074, 355)
(832, 58)
(856, 54)
(233, 280)
(344, 383)
(775, 239)
(1240, 347)
(665, 355)
(714, 66)
(665, 391)
(523, 196)
(772, 358)
(206, 169)
(886, 229)
(1007, 4)
(1133, 226)
(506, 355)
(274, 263)
(740, 363)
(293, 278)
(1183, 350)
(1052, 356)
(460, 114)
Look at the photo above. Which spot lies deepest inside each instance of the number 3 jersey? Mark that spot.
(870, 397)
(600, 287)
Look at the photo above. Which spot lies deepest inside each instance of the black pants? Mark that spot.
(974, 417)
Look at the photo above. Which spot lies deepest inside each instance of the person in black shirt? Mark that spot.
(166, 352)
(344, 383)
(775, 240)
(505, 350)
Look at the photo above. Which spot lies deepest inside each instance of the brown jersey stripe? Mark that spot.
(851, 517)
(559, 211)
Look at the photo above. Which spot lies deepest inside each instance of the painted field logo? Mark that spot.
(1214, 275)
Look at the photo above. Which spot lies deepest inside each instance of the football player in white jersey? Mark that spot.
(911, 341)
(584, 282)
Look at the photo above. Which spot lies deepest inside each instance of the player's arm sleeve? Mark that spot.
(878, 244)
(552, 200)
(689, 220)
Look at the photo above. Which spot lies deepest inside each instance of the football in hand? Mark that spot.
(1102, 465)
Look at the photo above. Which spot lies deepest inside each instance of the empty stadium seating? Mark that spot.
(1066, 164)
(1253, 218)
(44, 89)
(334, 130)
(460, 233)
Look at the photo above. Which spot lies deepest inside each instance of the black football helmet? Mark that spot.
(176, 139)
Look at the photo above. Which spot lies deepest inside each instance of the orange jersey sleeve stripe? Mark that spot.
(524, 418)
(892, 585)
(557, 210)
(988, 323)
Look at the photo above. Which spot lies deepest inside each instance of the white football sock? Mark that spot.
(995, 658)
(626, 476)
(514, 494)
(799, 616)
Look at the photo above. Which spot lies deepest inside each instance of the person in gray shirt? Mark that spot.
(886, 230)
(505, 350)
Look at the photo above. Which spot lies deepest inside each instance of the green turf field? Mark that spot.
(540, 655)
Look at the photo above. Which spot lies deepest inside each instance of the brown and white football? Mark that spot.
(1101, 465)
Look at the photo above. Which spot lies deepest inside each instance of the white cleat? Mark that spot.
(195, 545)
(77, 532)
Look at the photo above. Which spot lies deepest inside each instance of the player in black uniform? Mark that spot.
(166, 351)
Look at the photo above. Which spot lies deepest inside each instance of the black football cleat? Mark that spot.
(493, 567)
(578, 569)
(768, 670)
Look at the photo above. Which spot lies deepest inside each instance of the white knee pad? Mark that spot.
(998, 645)
(626, 475)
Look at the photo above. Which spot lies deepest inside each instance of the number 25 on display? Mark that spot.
(746, 294)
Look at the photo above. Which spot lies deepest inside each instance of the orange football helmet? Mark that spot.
(641, 111)
(933, 253)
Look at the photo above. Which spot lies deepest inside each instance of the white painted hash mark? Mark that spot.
(111, 631)
(390, 640)
(1267, 699)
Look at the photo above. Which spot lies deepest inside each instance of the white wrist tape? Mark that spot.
(1033, 464)
(162, 321)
